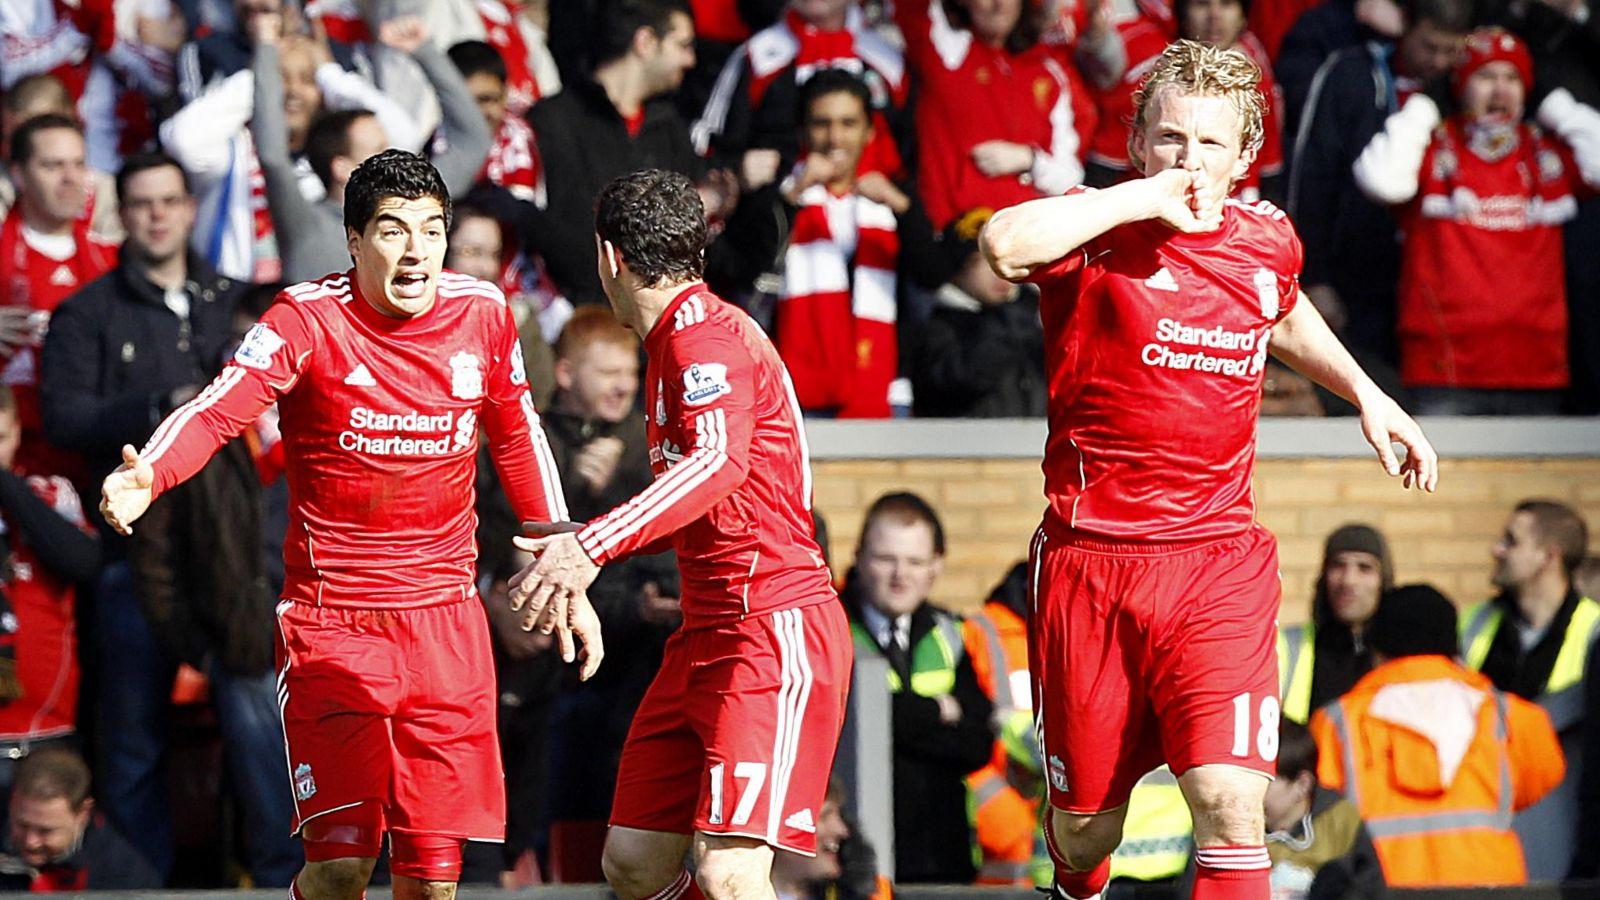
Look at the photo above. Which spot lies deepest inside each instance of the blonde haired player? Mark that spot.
(1155, 592)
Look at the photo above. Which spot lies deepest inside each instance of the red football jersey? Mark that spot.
(47, 639)
(733, 476)
(380, 420)
(1155, 343)
(40, 282)
(1483, 288)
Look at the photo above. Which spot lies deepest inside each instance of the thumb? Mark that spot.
(532, 545)
(130, 456)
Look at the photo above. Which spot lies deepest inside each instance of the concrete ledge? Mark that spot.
(1119, 891)
(1339, 438)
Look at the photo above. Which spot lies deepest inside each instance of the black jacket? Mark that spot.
(115, 353)
(105, 861)
(1320, 31)
(1351, 243)
(200, 570)
(584, 144)
(978, 361)
(931, 762)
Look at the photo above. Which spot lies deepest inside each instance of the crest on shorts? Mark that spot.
(1058, 773)
(304, 785)
(466, 376)
(1267, 292)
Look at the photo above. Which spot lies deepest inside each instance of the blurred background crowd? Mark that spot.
(172, 164)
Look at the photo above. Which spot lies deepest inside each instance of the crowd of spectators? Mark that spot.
(170, 164)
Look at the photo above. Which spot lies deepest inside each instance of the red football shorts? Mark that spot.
(397, 707)
(737, 733)
(1143, 654)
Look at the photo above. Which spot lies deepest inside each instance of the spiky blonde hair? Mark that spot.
(1201, 69)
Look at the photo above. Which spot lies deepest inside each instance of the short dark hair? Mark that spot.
(392, 173)
(1414, 620)
(22, 139)
(1458, 16)
(905, 507)
(328, 137)
(833, 81)
(144, 162)
(51, 775)
(1559, 524)
(620, 20)
(477, 58)
(656, 221)
(1297, 749)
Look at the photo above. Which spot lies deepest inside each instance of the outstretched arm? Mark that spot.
(1306, 343)
(268, 363)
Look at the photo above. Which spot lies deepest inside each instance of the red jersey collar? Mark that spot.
(661, 326)
(370, 316)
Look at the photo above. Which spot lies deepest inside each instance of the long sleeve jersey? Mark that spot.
(380, 419)
(732, 489)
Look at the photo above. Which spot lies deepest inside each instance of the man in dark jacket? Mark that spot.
(1352, 251)
(121, 354)
(56, 842)
(941, 716)
(981, 355)
(617, 120)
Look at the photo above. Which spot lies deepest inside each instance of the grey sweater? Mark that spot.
(311, 235)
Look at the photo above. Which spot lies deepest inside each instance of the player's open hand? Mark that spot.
(126, 492)
(547, 589)
(1385, 424)
(585, 626)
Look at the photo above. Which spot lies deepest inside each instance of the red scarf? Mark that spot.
(836, 316)
(513, 161)
(501, 32)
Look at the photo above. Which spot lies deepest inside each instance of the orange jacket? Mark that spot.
(1005, 819)
(1437, 761)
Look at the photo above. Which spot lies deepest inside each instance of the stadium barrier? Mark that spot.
(1312, 476)
(1120, 891)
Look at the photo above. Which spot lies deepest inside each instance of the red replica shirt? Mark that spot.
(47, 640)
(1155, 343)
(972, 93)
(733, 476)
(1483, 291)
(380, 419)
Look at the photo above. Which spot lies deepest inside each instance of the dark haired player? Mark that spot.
(730, 749)
(383, 375)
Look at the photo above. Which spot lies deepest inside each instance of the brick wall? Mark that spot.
(991, 507)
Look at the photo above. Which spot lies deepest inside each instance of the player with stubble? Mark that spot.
(729, 753)
(1156, 593)
(384, 376)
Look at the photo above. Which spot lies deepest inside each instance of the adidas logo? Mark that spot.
(360, 377)
(802, 821)
(63, 277)
(1162, 281)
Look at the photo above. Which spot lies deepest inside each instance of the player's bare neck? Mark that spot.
(650, 303)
